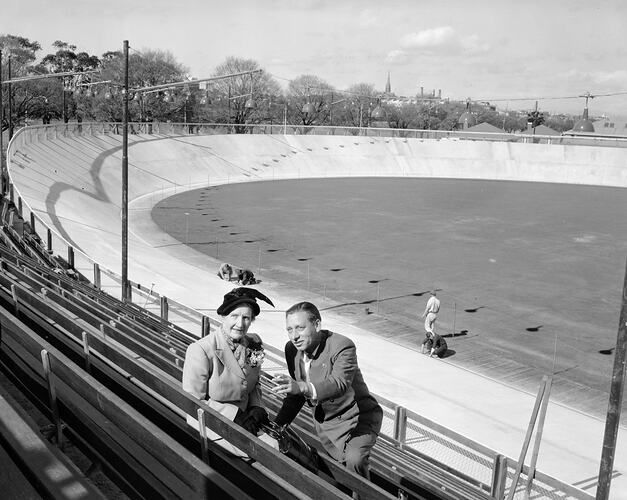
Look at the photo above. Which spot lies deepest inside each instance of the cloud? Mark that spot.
(367, 18)
(443, 38)
(613, 79)
(397, 57)
(431, 38)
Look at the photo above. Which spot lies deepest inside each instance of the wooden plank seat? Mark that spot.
(391, 468)
(86, 289)
(364, 489)
(160, 467)
(50, 472)
(394, 458)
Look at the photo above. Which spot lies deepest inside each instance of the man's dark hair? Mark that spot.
(306, 307)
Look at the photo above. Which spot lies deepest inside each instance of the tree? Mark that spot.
(560, 122)
(146, 69)
(310, 96)
(535, 118)
(403, 116)
(358, 102)
(66, 59)
(241, 99)
(22, 53)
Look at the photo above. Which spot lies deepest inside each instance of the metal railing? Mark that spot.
(47, 132)
(470, 460)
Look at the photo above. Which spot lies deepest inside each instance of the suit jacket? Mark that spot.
(344, 406)
(211, 372)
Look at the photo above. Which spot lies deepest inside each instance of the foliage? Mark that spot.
(311, 97)
(404, 115)
(29, 97)
(146, 69)
(535, 118)
(559, 122)
(241, 99)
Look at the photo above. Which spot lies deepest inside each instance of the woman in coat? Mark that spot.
(223, 368)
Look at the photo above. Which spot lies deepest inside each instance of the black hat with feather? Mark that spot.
(242, 296)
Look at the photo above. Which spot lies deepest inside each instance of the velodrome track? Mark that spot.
(72, 184)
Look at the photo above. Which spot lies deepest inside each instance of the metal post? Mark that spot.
(499, 477)
(125, 284)
(202, 430)
(205, 327)
(86, 352)
(164, 308)
(32, 223)
(612, 421)
(70, 257)
(52, 393)
(531, 471)
(49, 240)
(2, 169)
(97, 282)
(10, 100)
(400, 424)
(523, 452)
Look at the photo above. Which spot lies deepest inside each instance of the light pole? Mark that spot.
(125, 284)
(10, 100)
(2, 172)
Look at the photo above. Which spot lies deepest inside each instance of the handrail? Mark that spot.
(53, 131)
(400, 424)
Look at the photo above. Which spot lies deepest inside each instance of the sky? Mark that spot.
(489, 50)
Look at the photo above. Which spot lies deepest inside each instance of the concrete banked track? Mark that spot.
(73, 185)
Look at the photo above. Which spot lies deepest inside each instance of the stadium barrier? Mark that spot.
(55, 131)
(106, 352)
(110, 323)
(405, 424)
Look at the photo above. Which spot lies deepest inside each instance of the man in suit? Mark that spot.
(324, 373)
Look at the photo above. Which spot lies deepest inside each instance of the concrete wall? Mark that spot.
(73, 183)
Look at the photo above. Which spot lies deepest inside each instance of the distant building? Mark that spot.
(483, 131)
(610, 126)
(543, 130)
(584, 125)
(467, 119)
(388, 86)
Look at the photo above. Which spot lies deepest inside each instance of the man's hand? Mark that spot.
(287, 385)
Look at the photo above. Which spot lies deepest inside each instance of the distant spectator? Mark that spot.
(435, 344)
(431, 312)
(225, 272)
(246, 277)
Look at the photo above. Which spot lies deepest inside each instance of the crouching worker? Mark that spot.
(225, 272)
(434, 344)
(323, 372)
(223, 368)
(246, 277)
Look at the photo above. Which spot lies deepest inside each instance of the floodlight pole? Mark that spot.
(10, 100)
(612, 421)
(2, 170)
(125, 284)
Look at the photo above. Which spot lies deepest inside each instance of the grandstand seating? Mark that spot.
(139, 355)
(118, 367)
